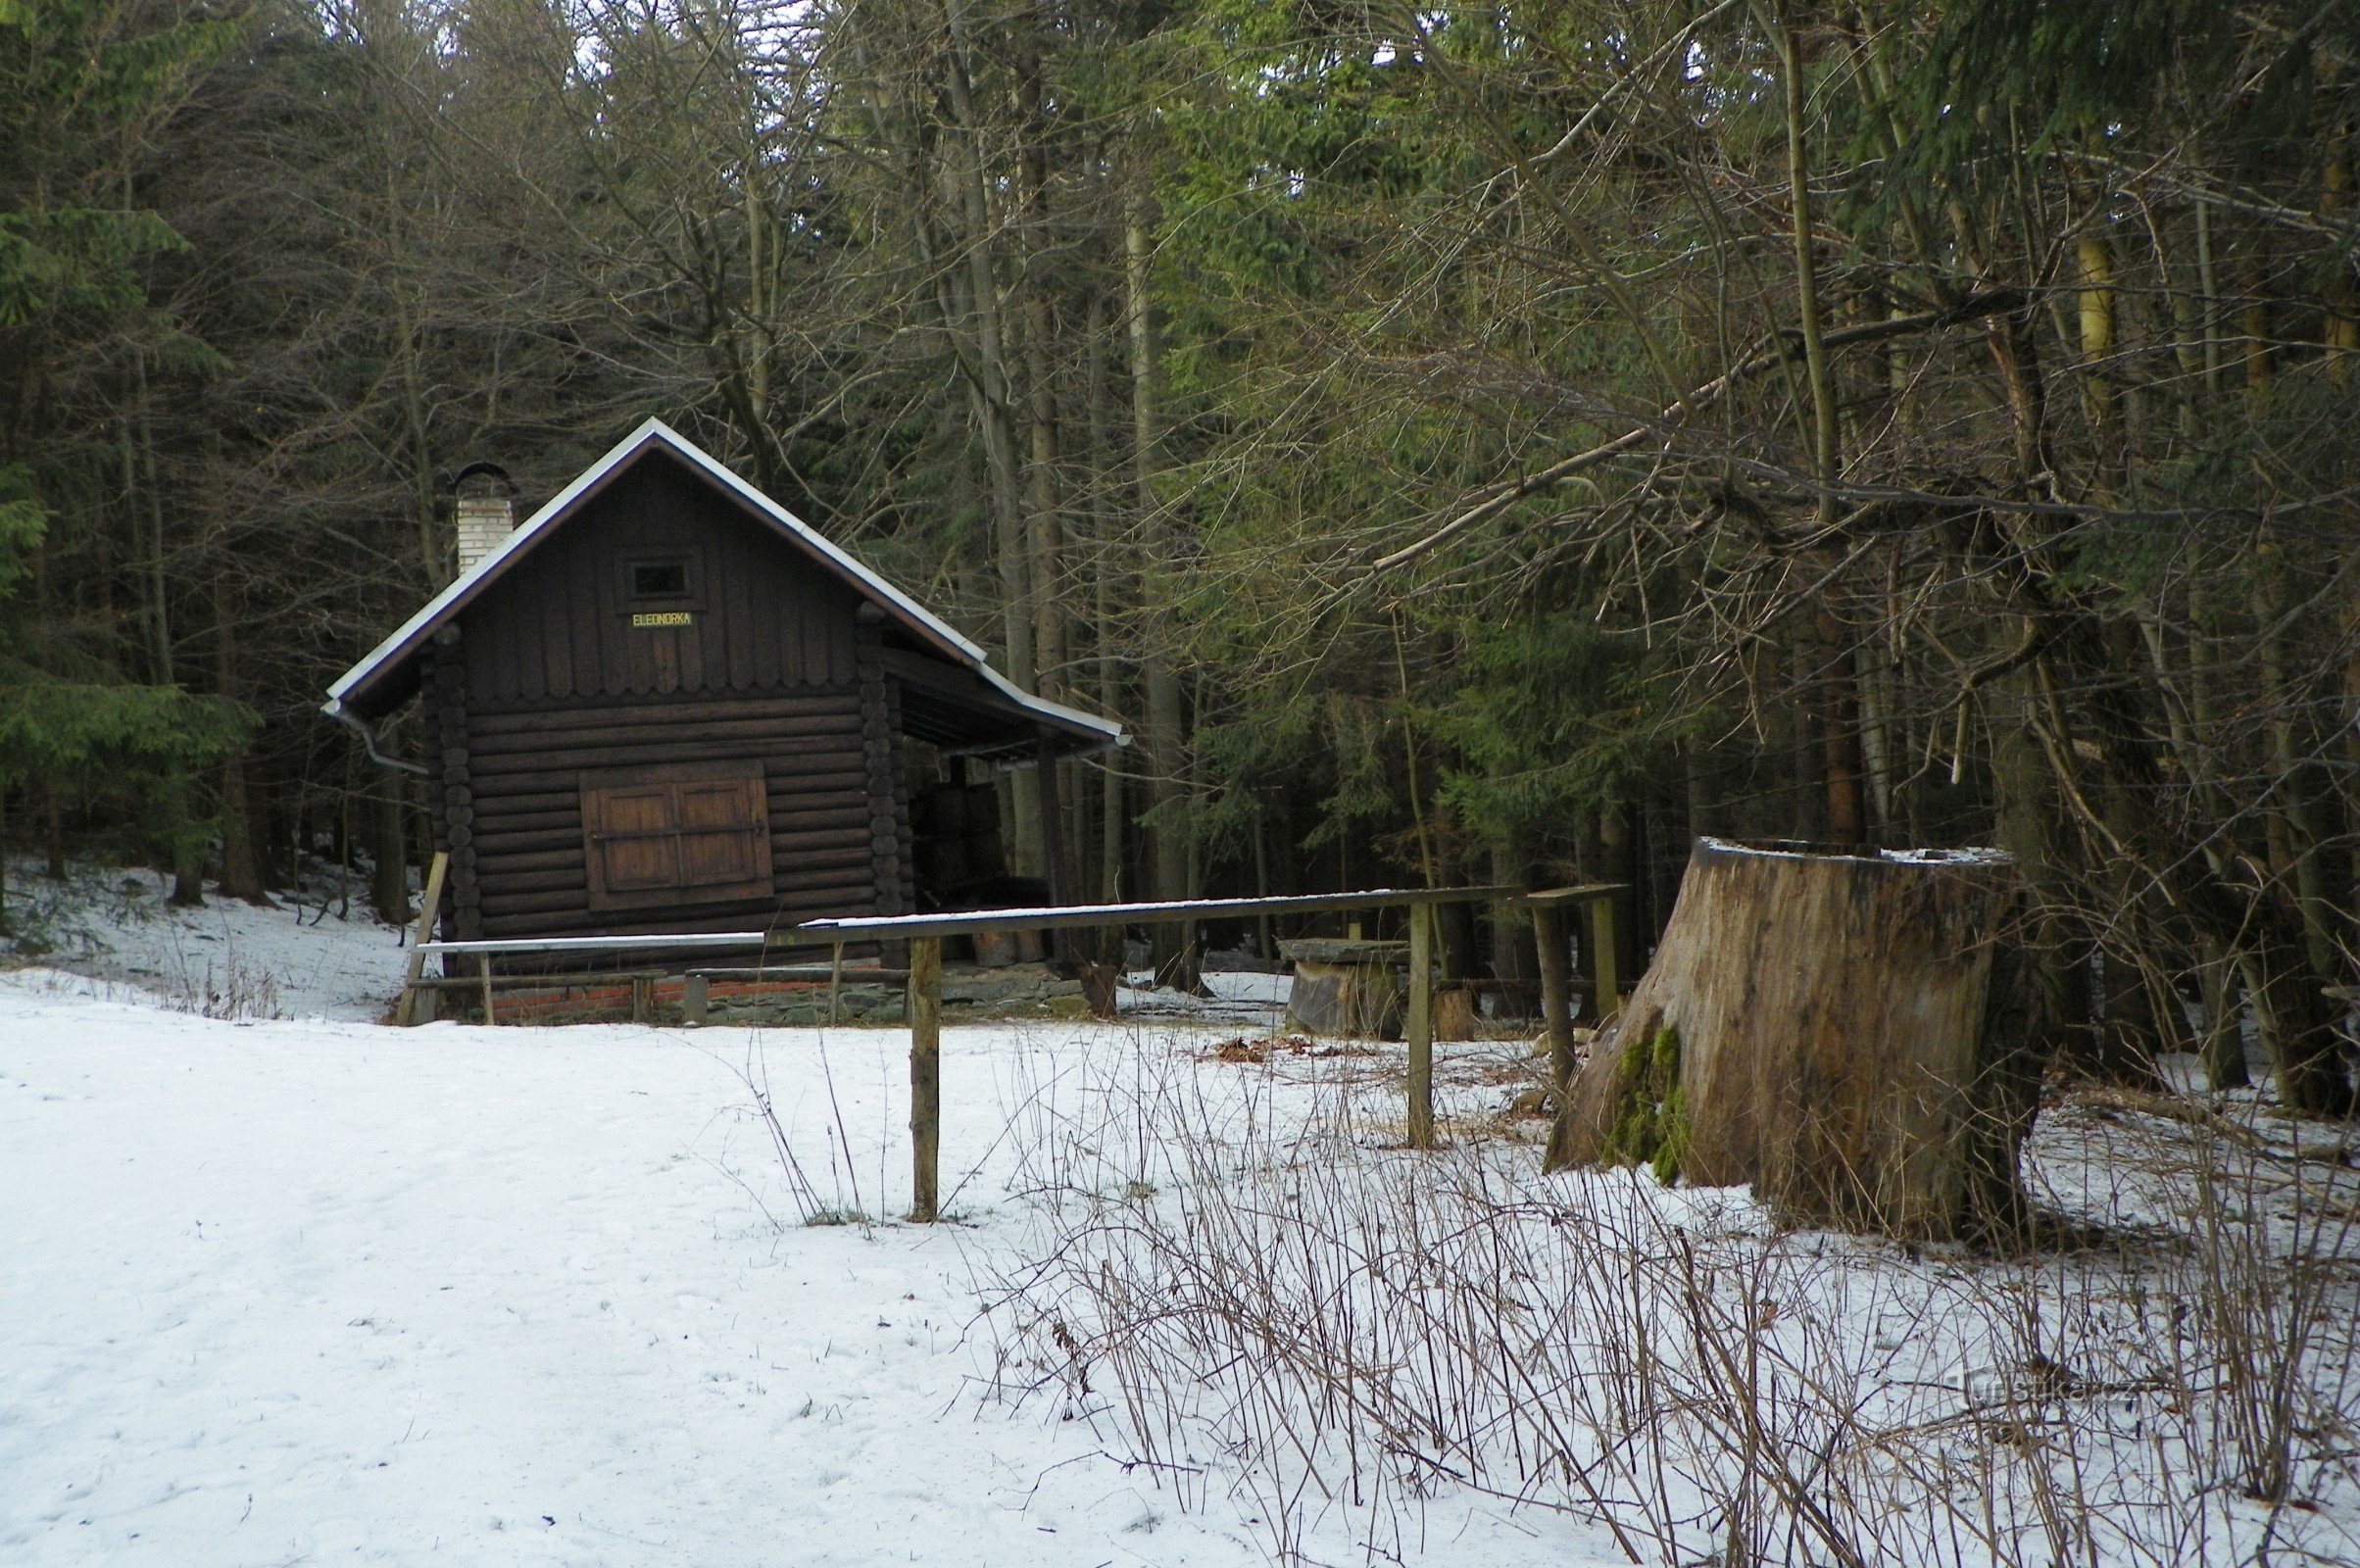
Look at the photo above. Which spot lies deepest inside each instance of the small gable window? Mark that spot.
(660, 579)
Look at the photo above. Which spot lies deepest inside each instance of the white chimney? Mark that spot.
(483, 515)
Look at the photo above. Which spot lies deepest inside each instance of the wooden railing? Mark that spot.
(925, 934)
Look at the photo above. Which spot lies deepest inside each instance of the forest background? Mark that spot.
(1489, 443)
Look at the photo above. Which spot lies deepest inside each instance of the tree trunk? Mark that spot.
(1852, 1034)
(241, 874)
(1167, 729)
(991, 394)
(53, 821)
(1111, 815)
(1840, 703)
(188, 842)
(389, 879)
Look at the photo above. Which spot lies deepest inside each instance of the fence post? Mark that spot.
(1607, 998)
(1556, 990)
(1420, 1026)
(483, 971)
(695, 999)
(925, 1074)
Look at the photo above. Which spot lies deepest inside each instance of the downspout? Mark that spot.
(335, 710)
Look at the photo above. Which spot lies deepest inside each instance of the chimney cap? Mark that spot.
(481, 469)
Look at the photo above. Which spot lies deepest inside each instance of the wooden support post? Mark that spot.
(696, 1000)
(925, 1074)
(417, 1005)
(1420, 1026)
(483, 971)
(835, 982)
(1606, 998)
(1556, 990)
(643, 998)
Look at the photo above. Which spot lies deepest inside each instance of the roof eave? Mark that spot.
(1099, 733)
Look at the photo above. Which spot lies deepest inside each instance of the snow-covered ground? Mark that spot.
(318, 952)
(1247, 1000)
(311, 1289)
(282, 1291)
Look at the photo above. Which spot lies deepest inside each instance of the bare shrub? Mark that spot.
(1245, 1296)
(234, 988)
(842, 1205)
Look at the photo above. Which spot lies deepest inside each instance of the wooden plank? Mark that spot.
(607, 944)
(483, 969)
(782, 912)
(832, 720)
(848, 776)
(794, 825)
(550, 808)
(858, 974)
(925, 1076)
(498, 858)
(503, 831)
(799, 842)
(789, 799)
(1582, 893)
(528, 830)
(1089, 914)
(659, 749)
(557, 640)
(586, 611)
(493, 866)
(572, 900)
(533, 980)
(552, 897)
(1418, 1028)
(406, 1010)
(737, 615)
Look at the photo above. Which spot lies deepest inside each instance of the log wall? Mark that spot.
(525, 770)
(546, 678)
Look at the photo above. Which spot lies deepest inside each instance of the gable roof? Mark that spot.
(370, 689)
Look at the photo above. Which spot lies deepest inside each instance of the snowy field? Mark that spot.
(288, 1293)
(310, 1290)
(318, 953)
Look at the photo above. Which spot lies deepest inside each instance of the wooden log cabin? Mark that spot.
(664, 704)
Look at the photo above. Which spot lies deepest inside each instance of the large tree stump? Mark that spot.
(1852, 1034)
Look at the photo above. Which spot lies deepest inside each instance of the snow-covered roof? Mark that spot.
(352, 689)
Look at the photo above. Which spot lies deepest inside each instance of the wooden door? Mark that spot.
(685, 834)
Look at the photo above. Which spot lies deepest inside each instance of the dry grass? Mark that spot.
(1249, 1295)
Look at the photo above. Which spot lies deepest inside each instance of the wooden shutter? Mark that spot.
(692, 833)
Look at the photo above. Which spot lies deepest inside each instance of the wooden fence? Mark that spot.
(926, 933)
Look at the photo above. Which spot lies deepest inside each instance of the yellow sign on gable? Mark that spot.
(664, 617)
